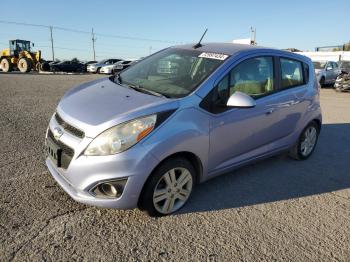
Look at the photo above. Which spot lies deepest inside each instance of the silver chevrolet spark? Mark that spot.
(146, 136)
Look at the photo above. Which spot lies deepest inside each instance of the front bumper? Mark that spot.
(91, 69)
(106, 70)
(84, 172)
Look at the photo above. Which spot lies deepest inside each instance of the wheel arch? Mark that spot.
(191, 157)
(318, 122)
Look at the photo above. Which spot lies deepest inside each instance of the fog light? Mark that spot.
(108, 189)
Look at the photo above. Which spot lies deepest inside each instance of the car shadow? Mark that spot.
(280, 178)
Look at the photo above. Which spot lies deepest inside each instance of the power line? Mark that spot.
(93, 34)
(87, 32)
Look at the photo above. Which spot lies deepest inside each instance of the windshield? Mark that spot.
(319, 65)
(173, 72)
(20, 45)
(345, 64)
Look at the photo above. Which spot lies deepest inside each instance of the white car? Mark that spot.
(96, 67)
(108, 69)
(326, 71)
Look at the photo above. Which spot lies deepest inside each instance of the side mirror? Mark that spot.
(328, 68)
(239, 99)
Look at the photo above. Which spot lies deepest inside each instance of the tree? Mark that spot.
(76, 60)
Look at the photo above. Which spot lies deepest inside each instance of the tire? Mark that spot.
(300, 152)
(24, 65)
(322, 81)
(98, 70)
(173, 181)
(6, 65)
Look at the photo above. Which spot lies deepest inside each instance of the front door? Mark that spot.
(239, 134)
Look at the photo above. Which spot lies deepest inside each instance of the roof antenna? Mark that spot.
(198, 45)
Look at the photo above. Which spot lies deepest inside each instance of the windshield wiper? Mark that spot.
(146, 91)
(118, 80)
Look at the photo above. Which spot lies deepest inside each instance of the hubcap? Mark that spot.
(308, 144)
(172, 190)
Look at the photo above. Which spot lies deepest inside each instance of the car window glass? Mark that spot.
(291, 73)
(253, 77)
(335, 65)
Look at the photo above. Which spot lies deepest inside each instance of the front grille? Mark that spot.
(69, 128)
(67, 152)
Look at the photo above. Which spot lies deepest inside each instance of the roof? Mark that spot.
(225, 48)
(233, 49)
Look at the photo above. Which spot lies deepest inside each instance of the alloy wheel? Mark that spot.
(309, 142)
(172, 190)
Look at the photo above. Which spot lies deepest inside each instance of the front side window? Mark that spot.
(291, 73)
(253, 77)
(173, 72)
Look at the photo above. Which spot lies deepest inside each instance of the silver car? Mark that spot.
(146, 136)
(326, 71)
(95, 68)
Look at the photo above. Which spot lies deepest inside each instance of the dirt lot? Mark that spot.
(277, 209)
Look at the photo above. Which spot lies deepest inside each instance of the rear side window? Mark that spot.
(291, 73)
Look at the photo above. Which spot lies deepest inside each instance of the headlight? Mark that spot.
(121, 137)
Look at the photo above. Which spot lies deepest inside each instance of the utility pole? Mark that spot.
(93, 43)
(52, 49)
(253, 36)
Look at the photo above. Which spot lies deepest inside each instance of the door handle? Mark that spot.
(270, 111)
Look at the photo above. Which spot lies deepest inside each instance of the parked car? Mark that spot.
(146, 137)
(67, 66)
(123, 65)
(85, 64)
(108, 69)
(326, 72)
(344, 67)
(95, 68)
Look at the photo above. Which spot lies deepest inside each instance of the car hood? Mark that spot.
(101, 104)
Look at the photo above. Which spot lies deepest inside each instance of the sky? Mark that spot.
(124, 29)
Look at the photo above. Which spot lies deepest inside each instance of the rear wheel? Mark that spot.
(6, 65)
(168, 188)
(307, 142)
(24, 65)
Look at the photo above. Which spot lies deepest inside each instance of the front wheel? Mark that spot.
(168, 188)
(307, 142)
(322, 81)
(6, 65)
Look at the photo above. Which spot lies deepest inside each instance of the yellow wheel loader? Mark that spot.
(19, 56)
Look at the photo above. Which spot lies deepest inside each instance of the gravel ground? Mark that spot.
(276, 209)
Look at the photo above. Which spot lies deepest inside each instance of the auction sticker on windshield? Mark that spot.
(213, 56)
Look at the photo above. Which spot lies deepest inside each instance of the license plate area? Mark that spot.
(54, 152)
